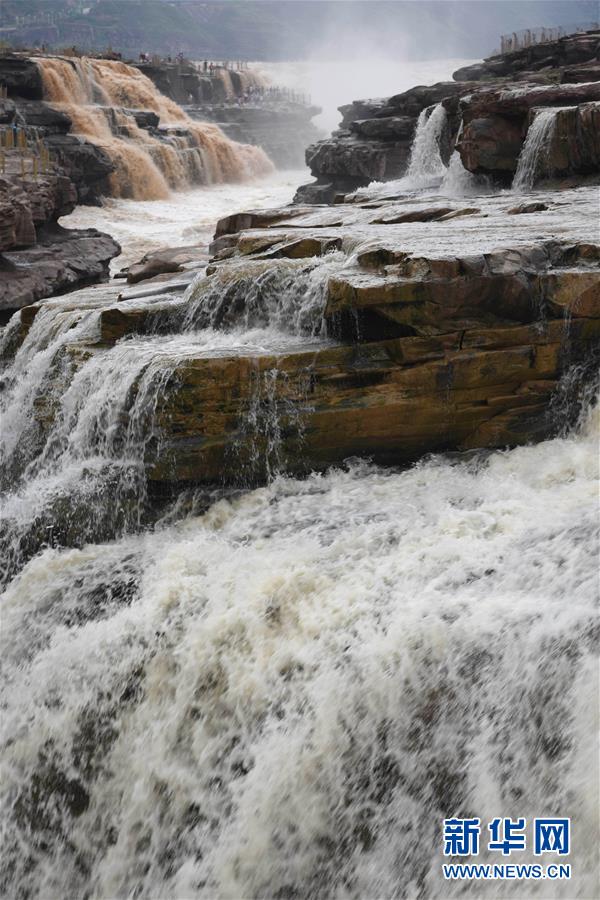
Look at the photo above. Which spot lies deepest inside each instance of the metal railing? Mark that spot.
(28, 147)
(528, 37)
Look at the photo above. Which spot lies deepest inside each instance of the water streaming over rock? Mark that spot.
(277, 692)
(533, 159)
(284, 696)
(287, 295)
(459, 182)
(426, 168)
(99, 96)
(78, 418)
(426, 161)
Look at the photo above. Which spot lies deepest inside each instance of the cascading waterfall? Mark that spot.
(173, 706)
(288, 295)
(426, 161)
(426, 167)
(533, 159)
(282, 692)
(78, 430)
(180, 153)
(172, 723)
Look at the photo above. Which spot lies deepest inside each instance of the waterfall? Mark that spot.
(98, 94)
(286, 694)
(172, 722)
(459, 182)
(80, 420)
(286, 295)
(533, 159)
(425, 163)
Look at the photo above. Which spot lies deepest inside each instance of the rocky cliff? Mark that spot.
(238, 102)
(496, 101)
(38, 258)
(105, 123)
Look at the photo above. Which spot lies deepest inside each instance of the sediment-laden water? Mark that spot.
(101, 96)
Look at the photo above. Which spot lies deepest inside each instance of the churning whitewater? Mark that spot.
(174, 698)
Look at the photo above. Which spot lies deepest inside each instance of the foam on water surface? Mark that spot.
(288, 693)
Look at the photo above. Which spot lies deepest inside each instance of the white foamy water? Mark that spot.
(286, 695)
(184, 218)
(425, 163)
(533, 160)
(80, 419)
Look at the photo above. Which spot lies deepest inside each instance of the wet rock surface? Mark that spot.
(433, 328)
(58, 262)
(162, 262)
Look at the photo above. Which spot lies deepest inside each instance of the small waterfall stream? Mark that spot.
(77, 430)
(533, 160)
(426, 161)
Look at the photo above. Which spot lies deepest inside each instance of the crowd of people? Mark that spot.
(259, 95)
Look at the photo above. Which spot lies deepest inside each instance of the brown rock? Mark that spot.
(526, 208)
(161, 262)
(414, 215)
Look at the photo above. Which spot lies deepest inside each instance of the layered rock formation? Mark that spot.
(232, 99)
(107, 126)
(496, 101)
(573, 58)
(496, 123)
(433, 327)
(38, 258)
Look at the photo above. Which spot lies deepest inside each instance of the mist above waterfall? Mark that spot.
(336, 79)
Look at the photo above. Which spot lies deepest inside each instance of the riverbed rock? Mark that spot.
(61, 260)
(161, 262)
(38, 258)
(427, 342)
(27, 203)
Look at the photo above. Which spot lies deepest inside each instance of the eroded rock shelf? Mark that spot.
(379, 340)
